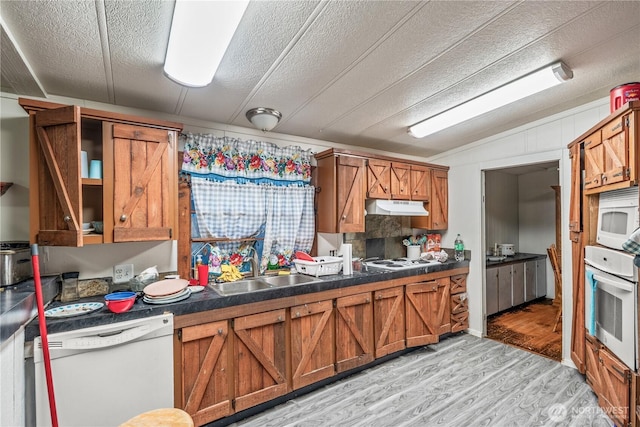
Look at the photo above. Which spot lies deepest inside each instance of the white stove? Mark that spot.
(396, 264)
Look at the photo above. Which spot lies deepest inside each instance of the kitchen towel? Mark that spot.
(591, 281)
(632, 244)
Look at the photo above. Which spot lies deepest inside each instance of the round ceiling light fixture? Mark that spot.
(264, 119)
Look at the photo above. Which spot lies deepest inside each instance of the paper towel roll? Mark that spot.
(347, 266)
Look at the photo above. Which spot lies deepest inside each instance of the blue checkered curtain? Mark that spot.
(227, 209)
(290, 225)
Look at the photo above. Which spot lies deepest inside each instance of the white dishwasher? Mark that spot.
(104, 375)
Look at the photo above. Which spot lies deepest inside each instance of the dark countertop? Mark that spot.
(18, 303)
(210, 300)
(519, 257)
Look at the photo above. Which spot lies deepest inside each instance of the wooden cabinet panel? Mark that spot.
(458, 283)
(57, 157)
(312, 343)
(575, 201)
(577, 320)
(615, 380)
(354, 331)
(610, 154)
(378, 179)
(616, 148)
(260, 355)
(204, 378)
(593, 160)
(389, 325)
(420, 185)
(428, 313)
(144, 184)
(341, 181)
(592, 364)
(400, 181)
(439, 205)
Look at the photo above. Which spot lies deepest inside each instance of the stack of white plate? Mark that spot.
(166, 291)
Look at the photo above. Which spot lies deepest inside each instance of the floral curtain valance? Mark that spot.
(226, 158)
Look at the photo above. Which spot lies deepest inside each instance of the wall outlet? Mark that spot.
(122, 273)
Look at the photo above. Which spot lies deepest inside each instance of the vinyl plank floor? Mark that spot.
(461, 381)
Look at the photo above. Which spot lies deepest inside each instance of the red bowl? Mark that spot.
(120, 305)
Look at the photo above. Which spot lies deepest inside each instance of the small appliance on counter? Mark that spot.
(16, 262)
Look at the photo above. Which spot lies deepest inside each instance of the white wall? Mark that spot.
(501, 209)
(540, 141)
(537, 216)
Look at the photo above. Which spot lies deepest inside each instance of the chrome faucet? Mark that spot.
(255, 264)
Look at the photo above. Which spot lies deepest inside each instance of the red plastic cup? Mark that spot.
(203, 275)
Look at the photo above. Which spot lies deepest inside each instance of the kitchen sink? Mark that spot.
(260, 283)
(288, 280)
(239, 287)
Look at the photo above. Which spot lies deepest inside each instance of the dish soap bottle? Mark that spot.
(459, 248)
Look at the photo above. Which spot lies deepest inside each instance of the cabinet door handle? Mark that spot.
(66, 218)
(123, 218)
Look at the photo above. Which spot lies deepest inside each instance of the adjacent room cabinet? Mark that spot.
(234, 358)
(515, 283)
(345, 179)
(134, 193)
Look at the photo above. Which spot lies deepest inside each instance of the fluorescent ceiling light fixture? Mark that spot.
(200, 34)
(525, 86)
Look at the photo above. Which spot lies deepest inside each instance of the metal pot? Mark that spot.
(506, 249)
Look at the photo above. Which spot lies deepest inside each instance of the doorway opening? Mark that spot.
(522, 223)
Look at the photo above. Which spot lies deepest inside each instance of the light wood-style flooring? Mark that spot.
(461, 381)
(529, 327)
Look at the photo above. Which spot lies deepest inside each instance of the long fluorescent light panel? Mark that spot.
(200, 34)
(511, 92)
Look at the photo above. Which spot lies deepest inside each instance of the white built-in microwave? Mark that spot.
(618, 217)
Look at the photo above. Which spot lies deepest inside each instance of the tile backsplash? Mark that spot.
(382, 237)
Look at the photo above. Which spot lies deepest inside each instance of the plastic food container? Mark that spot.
(320, 266)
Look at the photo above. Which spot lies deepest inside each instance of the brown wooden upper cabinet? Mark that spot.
(610, 151)
(340, 201)
(346, 178)
(438, 205)
(136, 195)
(397, 180)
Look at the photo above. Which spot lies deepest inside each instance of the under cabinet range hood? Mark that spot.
(395, 207)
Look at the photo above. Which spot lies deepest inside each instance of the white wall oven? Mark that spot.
(611, 308)
(618, 217)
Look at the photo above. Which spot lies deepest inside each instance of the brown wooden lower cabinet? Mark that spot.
(247, 355)
(388, 315)
(312, 341)
(611, 381)
(203, 375)
(428, 312)
(354, 331)
(260, 358)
